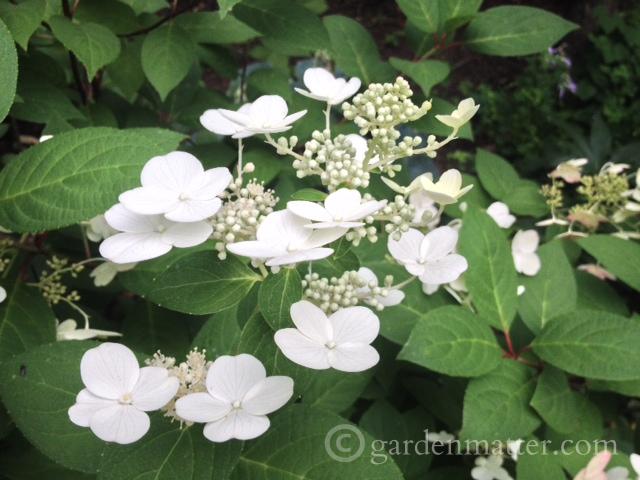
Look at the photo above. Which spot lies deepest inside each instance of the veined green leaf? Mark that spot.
(22, 19)
(426, 73)
(8, 70)
(277, 293)
(620, 257)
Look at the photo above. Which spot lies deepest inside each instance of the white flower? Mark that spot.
(214, 121)
(177, 186)
(341, 341)
(325, 87)
(551, 221)
(570, 171)
(68, 330)
(98, 229)
(467, 108)
(490, 468)
(239, 396)
(429, 256)
(523, 248)
(441, 438)
(3, 294)
(118, 393)
(447, 189)
(427, 214)
(148, 236)
(597, 271)
(501, 215)
(44, 138)
(268, 114)
(513, 447)
(104, 273)
(282, 239)
(393, 296)
(343, 208)
(611, 168)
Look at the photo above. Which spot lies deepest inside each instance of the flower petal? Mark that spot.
(268, 395)
(342, 202)
(354, 325)
(124, 220)
(109, 370)
(210, 184)
(368, 276)
(149, 200)
(184, 235)
(201, 408)
(283, 228)
(347, 90)
(268, 110)
(133, 247)
(256, 249)
(193, 210)
(230, 378)
(87, 404)
(121, 424)
(300, 256)
(365, 209)
(444, 270)
(173, 171)
(407, 249)
(215, 122)
(155, 388)
(353, 357)
(301, 350)
(309, 210)
(394, 297)
(525, 241)
(527, 263)
(289, 119)
(442, 241)
(319, 81)
(311, 321)
(237, 424)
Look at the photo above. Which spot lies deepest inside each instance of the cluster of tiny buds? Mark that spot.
(331, 294)
(191, 374)
(6, 246)
(238, 219)
(376, 292)
(399, 214)
(50, 283)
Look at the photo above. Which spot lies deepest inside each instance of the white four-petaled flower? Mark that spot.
(466, 109)
(268, 114)
(177, 186)
(238, 398)
(214, 121)
(447, 190)
(343, 208)
(68, 330)
(118, 393)
(144, 237)
(325, 87)
(501, 215)
(490, 468)
(282, 239)
(429, 256)
(341, 341)
(523, 247)
(570, 171)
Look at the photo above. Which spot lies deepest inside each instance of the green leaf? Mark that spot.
(515, 30)
(211, 27)
(299, 432)
(226, 6)
(453, 341)
(8, 70)
(498, 176)
(538, 463)
(126, 72)
(167, 55)
(25, 320)
(38, 387)
(42, 102)
(424, 14)
(94, 45)
(620, 257)
(53, 184)
(22, 19)
(277, 293)
(285, 23)
(354, 50)
(563, 409)
(496, 406)
(551, 292)
(114, 15)
(169, 451)
(426, 73)
(526, 199)
(309, 194)
(491, 277)
(592, 344)
(596, 294)
(456, 9)
(220, 331)
(196, 282)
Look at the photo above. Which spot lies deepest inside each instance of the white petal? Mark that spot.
(635, 462)
(124, 220)
(184, 235)
(445, 270)
(122, 424)
(359, 143)
(268, 395)
(173, 171)
(365, 209)
(526, 241)
(348, 90)
(309, 210)
(149, 200)
(201, 407)
(109, 370)
(367, 275)
(210, 184)
(527, 263)
(283, 228)
(394, 297)
(133, 247)
(414, 268)
(300, 256)
(238, 424)
(155, 388)
(354, 325)
(319, 81)
(301, 350)
(407, 249)
(342, 202)
(268, 110)
(87, 404)
(442, 241)
(324, 236)
(289, 119)
(353, 357)
(429, 288)
(230, 378)
(194, 210)
(311, 321)
(255, 249)
(215, 122)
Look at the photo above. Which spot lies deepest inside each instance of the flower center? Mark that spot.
(237, 404)
(330, 345)
(184, 196)
(126, 399)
